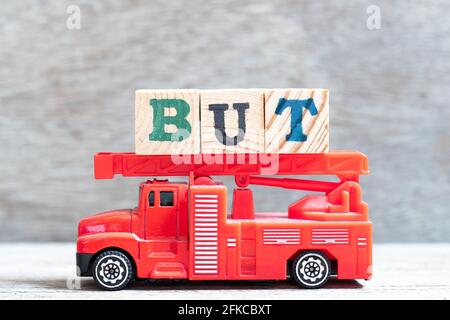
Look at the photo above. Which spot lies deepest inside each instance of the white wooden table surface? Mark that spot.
(401, 271)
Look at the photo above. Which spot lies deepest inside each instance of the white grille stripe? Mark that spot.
(206, 215)
(206, 243)
(210, 262)
(330, 236)
(280, 230)
(206, 253)
(329, 229)
(206, 219)
(330, 232)
(205, 234)
(281, 236)
(205, 238)
(231, 242)
(205, 267)
(206, 258)
(330, 241)
(206, 224)
(205, 229)
(280, 233)
(362, 243)
(205, 210)
(197, 196)
(201, 248)
(206, 271)
(282, 242)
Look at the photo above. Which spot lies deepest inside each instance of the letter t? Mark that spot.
(296, 106)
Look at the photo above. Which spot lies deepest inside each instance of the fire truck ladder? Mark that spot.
(343, 196)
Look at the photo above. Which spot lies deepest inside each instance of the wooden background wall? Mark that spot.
(65, 95)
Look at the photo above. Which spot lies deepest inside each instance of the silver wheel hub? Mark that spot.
(312, 269)
(111, 271)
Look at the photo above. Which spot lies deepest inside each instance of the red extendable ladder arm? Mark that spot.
(339, 163)
(287, 183)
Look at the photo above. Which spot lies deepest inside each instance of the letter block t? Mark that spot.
(167, 122)
(296, 121)
(232, 121)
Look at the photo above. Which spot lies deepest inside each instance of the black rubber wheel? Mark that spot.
(112, 270)
(311, 269)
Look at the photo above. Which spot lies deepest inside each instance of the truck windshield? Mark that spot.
(166, 198)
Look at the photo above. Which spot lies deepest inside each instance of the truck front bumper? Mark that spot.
(83, 264)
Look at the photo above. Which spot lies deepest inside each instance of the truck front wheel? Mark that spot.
(112, 270)
(311, 269)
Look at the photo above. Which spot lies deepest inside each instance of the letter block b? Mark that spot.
(167, 122)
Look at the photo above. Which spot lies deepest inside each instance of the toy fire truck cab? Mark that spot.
(183, 230)
(155, 234)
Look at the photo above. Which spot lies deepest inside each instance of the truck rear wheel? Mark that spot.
(311, 269)
(112, 270)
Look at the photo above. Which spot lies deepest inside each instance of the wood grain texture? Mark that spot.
(277, 127)
(65, 95)
(253, 139)
(144, 122)
(401, 271)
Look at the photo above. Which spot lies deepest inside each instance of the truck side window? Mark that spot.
(166, 198)
(151, 199)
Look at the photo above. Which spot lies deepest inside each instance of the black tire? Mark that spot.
(311, 269)
(112, 270)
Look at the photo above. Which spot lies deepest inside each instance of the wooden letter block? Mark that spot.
(167, 122)
(296, 121)
(232, 121)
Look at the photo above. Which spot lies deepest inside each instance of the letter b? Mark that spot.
(179, 120)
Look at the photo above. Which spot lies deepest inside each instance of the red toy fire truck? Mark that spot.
(184, 231)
